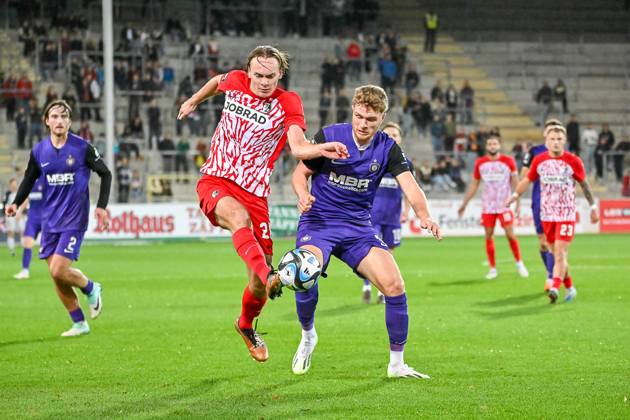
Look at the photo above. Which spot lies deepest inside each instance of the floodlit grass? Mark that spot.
(165, 344)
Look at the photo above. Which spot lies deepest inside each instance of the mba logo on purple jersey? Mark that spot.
(57, 180)
(348, 182)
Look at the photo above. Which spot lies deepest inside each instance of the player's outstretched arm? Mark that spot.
(302, 149)
(31, 174)
(211, 88)
(474, 185)
(418, 201)
(588, 194)
(95, 163)
(299, 181)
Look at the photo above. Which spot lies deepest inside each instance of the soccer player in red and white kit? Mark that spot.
(557, 170)
(257, 119)
(498, 173)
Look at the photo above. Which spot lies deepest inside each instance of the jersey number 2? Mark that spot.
(566, 230)
(70, 247)
(264, 226)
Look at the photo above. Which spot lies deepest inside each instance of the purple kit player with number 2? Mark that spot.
(336, 220)
(65, 162)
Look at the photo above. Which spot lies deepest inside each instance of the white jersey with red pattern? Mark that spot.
(251, 133)
(557, 185)
(496, 175)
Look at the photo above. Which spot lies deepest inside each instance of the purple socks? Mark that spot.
(88, 289)
(26, 258)
(547, 258)
(77, 315)
(397, 321)
(306, 302)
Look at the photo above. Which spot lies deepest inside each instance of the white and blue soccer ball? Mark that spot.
(299, 270)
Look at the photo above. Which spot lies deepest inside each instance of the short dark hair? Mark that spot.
(495, 136)
(58, 102)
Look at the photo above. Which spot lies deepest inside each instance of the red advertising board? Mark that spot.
(614, 215)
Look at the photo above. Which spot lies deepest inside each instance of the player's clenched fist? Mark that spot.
(10, 210)
(305, 203)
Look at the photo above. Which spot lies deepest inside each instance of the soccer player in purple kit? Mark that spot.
(65, 161)
(336, 220)
(545, 251)
(387, 212)
(33, 226)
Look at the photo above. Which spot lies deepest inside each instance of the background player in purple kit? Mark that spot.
(336, 220)
(387, 212)
(545, 251)
(65, 161)
(33, 226)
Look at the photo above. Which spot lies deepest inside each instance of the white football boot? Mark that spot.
(22, 275)
(302, 359)
(78, 328)
(402, 370)
(571, 294)
(522, 270)
(492, 274)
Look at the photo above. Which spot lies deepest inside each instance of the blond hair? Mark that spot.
(267, 51)
(392, 124)
(555, 126)
(371, 96)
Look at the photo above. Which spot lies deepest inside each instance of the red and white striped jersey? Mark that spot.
(496, 176)
(557, 185)
(251, 133)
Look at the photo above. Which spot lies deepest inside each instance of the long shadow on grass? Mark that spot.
(523, 311)
(514, 300)
(30, 341)
(470, 282)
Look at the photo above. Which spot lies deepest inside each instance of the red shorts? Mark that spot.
(211, 189)
(562, 231)
(490, 219)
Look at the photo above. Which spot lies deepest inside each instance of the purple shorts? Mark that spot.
(347, 242)
(33, 227)
(390, 234)
(67, 244)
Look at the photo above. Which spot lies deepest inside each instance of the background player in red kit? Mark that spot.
(257, 119)
(498, 173)
(557, 171)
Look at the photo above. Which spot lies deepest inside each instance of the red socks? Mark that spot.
(557, 282)
(252, 254)
(250, 308)
(490, 253)
(568, 282)
(515, 249)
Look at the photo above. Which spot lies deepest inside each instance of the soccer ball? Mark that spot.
(299, 270)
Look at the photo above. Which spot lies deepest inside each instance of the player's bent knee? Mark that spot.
(394, 288)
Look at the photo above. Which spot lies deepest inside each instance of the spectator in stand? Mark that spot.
(9, 96)
(544, 100)
(325, 104)
(473, 150)
(353, 54)
(35, 133)
(51, 95)
(437, 94)
(289, 17)
(437, 130)
(181, 159)
(135, 128)
(95, 93)
(120, 75)
(123, 176)
(342, 104)
(136, 187)
(467, 98)
(21, 127)
(135, 88)
(85, 132)
(560, 94)
(430, 31)
(424, 175)
(412, 113)
(167, 150)
(86, 98)
(621, 151)
(389, 73)
(451, 98)
(605, 143)
(70, 96)
(412, 78)
(155, 123)
(201, 154)
(573, 135)
(24, 91)
(440, 176)
(196, 48)
(455, 172)
(450, 130)
(338, 75)
(589, 140)
(327, 75)
(518, 153)
(371, 52)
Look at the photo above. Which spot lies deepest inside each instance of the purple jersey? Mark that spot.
(36, 200)
(387, 202)
(344, 189)
(527, 161)
(67, 176)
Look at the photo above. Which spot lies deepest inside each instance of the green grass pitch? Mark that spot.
(165, 344)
